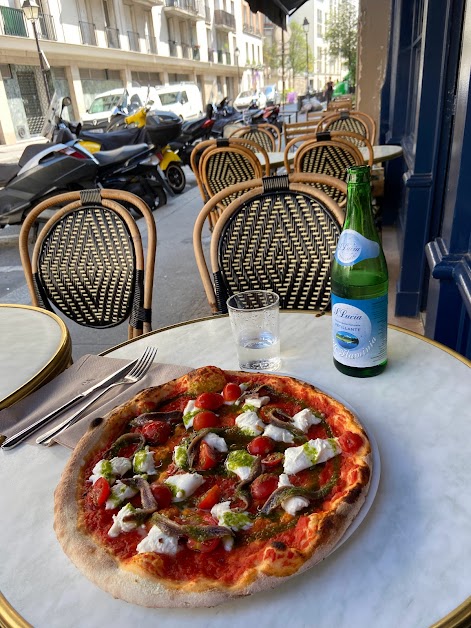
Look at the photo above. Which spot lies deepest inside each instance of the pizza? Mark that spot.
(215, 485)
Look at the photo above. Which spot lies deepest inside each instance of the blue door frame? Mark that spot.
(426, 107)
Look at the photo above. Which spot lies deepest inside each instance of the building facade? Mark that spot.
(91, 46)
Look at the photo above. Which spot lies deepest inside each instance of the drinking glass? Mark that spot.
(255, 322)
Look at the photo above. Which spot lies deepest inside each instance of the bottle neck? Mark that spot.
(359, 216)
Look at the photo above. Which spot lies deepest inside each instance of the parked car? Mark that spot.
(184, 99)
(245, 99)
(272, 95)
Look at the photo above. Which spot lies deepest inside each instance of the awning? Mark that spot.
(276, 10)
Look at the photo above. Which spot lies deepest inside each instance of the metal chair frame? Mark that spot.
(88, 260)
(298, 241)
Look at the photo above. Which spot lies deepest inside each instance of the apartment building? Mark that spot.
(90, 46)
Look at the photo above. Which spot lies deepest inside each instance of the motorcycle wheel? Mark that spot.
(175, 177)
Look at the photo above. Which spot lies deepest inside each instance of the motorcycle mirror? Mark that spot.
(66, 101)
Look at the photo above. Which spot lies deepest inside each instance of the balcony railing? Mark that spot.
(173, 48)
(88, 33)
(224, 18)
(46, 28)
(196, 53)
(133, 41)
(186, 51)
(13, 22)
(112, 37)
(224, 57)
(151, 45)
(248, 28)
(211, 52)
(189, 6)
(207, 13)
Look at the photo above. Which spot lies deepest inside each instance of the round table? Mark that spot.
(381, 153)
(408, 564)
(276, 159)
(36, 347)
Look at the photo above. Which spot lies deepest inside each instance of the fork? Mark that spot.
(135, 374)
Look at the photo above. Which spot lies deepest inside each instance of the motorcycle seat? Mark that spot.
(114, 139)
(118, 155)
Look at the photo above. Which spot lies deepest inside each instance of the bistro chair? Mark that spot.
(353, 121)
(340, 103)
(292, 130)
(88, 260)
(279, 235)
(219, 164)
(266, 135)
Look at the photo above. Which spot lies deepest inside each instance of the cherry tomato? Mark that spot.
(350, 442)
(100, 491)
(263, 486)
(143, 406)
(156, 432)
(261, 445)
(205, 419)
(162, 494)
(273, 460)
(209, 401)
(210, 498)
(203, 546)
(231, 392)
(207, 458)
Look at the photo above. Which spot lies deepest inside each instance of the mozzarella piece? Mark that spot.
(216, 442)
(249, 423)
(184, 485)
(311, 453)
(235, 520)
(256, 402)
(278, 434)
(189, 414)
(143, 461)
(240, 462)
(119, 493)
(119, 525)
(110, 469)
(292, 504)
(304, 419)
(159, 542)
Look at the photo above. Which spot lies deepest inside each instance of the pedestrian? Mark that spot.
(329, 90)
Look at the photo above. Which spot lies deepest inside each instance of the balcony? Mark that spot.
(223, 20)
(151, 45)
(186, 51)
(87, 33)
(196, 53)
(133, 39)
(249, 29)
(207, 13)
(13, 22)
(46, 28)
(211, 52)
(112, 37)
(148, 4)
(173, 50)
(224, 57)
(192, 9)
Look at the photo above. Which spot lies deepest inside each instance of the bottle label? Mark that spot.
(359, 331)
(352, 248)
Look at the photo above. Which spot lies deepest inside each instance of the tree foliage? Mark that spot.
(296, 53)
(341, 34)
(271, 54)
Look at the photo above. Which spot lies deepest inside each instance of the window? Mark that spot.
(319, 16)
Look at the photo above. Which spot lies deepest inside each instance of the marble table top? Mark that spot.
(407, 564)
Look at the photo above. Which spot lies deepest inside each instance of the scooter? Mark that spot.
(64, 165)
(268, 115)
(193, 131)
(152, 127)
(224, 113)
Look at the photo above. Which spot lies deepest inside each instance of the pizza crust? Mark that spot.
(128, 582)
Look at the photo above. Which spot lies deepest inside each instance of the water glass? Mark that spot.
(255, 322)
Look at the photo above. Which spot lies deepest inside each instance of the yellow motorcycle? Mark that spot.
(157, 128)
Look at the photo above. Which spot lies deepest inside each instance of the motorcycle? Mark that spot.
(223, 114)
(193, 131)
(152, 127)
(268, 115)
(63, 165)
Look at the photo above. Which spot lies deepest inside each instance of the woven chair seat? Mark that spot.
(266, 135)
(279, 235)
(88, 260)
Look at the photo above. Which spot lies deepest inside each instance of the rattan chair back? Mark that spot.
(293, 130)
(219, 164)
(353, 121)
(279, 235)
(88, 260)
(266, 135)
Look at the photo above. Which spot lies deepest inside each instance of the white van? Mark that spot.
(184, 99)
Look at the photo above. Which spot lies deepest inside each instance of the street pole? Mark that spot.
(306, 31)
(236, 55)
(41, 63)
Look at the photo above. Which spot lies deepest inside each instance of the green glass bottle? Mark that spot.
(359, 286)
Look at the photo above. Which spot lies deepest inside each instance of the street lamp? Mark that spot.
(236, 55)
(306, 30)
(31, 12)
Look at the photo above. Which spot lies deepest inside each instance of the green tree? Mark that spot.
(341, 35)
(296, 56)
(271, 54)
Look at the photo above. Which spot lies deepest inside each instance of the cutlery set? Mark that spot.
(128, 374)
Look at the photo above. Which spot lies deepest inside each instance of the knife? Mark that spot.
(17, 438)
